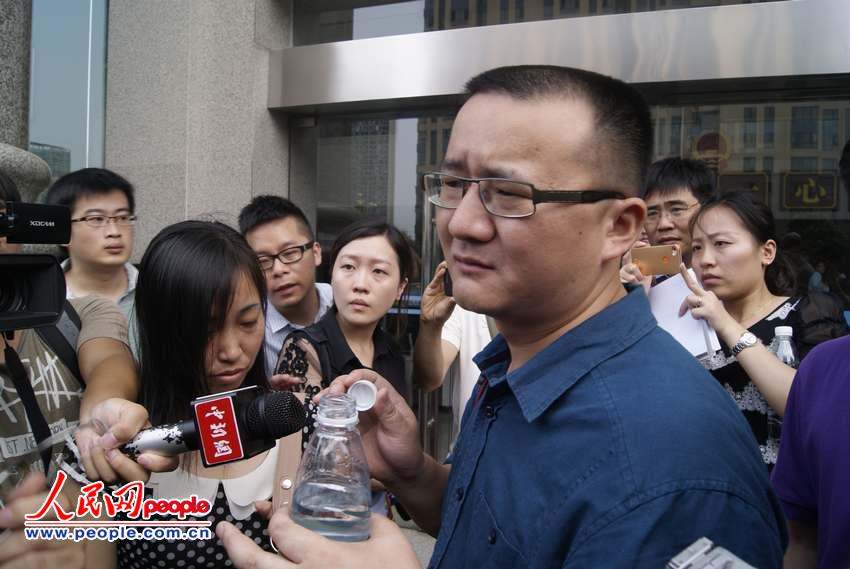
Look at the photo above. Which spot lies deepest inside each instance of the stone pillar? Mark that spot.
(186, 106)
(30, 173)
(15, 31)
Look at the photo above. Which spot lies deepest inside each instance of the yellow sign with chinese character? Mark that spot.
(809, 191)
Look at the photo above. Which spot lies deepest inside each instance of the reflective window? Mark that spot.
(67, 83)
(322, 22)
(371, 166)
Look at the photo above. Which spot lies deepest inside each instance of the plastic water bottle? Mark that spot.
(782, 347)
(332, 493)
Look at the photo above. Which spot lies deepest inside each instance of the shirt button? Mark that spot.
(489, 412)
(459, 494)
(491, 537)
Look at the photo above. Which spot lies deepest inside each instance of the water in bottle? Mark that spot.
(782, 347)
(332, 494)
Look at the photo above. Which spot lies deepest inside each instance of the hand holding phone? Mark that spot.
(657, 260)
(447, 283)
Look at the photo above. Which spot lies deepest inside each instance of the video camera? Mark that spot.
(32, 287)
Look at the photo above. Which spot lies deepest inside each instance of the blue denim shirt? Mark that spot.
(610, 448)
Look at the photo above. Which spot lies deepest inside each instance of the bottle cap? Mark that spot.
(364, 394)
(783, 331)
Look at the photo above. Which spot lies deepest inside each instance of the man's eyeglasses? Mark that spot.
(505, 198)
(98, 221)
(287, 256)
(653, 216)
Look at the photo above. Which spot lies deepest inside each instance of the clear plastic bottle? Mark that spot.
(332, 493)
(782, 347)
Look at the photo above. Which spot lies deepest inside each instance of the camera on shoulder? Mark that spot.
(32, 287)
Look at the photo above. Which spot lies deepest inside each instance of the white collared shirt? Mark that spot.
(278, 327)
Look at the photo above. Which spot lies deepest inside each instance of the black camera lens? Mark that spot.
(13, 295)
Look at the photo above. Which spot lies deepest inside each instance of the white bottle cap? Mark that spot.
(783, 331)
(364, 394)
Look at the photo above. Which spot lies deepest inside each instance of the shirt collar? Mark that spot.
(559, 366)
(129, 268)
(328, 330)
(275, 321)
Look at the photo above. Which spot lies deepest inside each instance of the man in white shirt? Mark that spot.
(279, 232)
(447, 332)
(103, 216)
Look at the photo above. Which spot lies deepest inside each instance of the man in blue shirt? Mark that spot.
(593, 439)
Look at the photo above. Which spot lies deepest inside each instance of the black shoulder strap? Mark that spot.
(38, 424)
(62, 339)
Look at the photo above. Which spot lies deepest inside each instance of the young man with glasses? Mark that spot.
(102, 218)
(287, 250)
(593, 439)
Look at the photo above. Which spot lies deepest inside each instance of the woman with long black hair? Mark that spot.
(200, 305)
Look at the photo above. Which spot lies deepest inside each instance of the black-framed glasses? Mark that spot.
(98, 221)
(287, 256)
(506, 198)
(678, 211)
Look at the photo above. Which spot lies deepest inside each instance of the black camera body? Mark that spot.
(32, 287)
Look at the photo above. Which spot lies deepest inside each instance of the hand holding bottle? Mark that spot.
(389, 430)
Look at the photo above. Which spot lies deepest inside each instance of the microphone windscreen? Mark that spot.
(275, 415)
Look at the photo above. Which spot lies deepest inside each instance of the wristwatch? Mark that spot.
(747, 340)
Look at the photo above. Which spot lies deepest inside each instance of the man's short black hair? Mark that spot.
(264, 209)
(88, 182)
(844, 166)
(622, 116)
(671, 174)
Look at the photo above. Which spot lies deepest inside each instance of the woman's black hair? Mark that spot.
(408, 261)
(187, 278)
(757, 218)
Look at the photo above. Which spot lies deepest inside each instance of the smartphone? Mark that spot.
(447, 283)
(657, 260)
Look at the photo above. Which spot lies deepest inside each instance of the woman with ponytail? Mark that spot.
(744, 292)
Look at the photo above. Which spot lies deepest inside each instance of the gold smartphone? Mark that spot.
(657, 260)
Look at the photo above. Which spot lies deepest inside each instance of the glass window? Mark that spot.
(749, 132)
(769, 127)
(481, 10)
(328, 21)
(767, 163)
(804, 164)
(68, 84)
(829, 165)
(847, 125)
(676, 134)
(804, 127)
(504, 15)
(829, 123)
(749, 164)
(460, 13)
(569, 7)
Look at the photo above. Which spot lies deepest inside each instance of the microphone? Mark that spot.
(226, 427)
